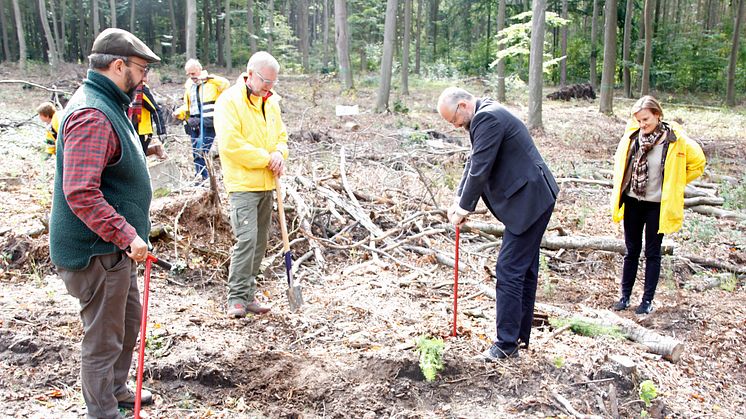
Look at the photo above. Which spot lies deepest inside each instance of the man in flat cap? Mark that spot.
(100, 217)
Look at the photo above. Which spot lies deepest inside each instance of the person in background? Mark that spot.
(252, 142)
(48, 114)
(507, 172)
(654, 161)
(201, 90)
(146, 114)
(100, 219)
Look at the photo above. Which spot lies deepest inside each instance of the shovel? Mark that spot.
(295, 296)
(143, 323)
(455, 283)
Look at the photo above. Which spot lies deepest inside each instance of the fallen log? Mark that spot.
(690, 191)
(608, 244)
(668, 347)
(703, 200)
(439, 257)
(714, 263)
(718, 212)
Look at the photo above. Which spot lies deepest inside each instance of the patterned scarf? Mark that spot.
(135, 110)
(646, 142)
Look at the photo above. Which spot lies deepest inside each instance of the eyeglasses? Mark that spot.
(266, 81)
(455, 114)
(145, 68)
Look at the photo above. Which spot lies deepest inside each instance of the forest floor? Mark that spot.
(349, 352)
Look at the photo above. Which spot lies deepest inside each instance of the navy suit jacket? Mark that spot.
(505, 169)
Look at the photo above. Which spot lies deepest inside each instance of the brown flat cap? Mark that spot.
(116, 41)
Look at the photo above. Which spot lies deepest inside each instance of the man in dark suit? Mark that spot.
(506, 170)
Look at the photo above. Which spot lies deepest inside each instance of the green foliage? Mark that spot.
(516, 38)
(585, 328)
(729, 283)
(431, 356)
(734, 195)
(700, 230)
(400, 107)
(161, 192)
(648, 392)
(559, 362)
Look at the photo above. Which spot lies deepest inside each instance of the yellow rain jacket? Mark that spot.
(209, 92)
(685, 162)
(246, 136)
(51, 137)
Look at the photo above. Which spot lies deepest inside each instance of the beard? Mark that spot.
(129, 83)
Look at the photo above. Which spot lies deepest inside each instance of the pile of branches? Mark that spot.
(574, 91)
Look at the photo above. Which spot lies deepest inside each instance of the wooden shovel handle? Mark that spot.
(281, 211)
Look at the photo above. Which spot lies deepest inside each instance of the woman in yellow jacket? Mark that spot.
(653, 163)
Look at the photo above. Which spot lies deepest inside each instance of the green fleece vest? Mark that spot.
(124, 184)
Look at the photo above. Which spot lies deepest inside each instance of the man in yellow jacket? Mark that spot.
(48, 114)
(252, 142)
(201, 90)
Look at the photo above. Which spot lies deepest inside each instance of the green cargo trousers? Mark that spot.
(110, 311)
(250, 219)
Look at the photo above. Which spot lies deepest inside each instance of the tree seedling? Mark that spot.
(431, 356)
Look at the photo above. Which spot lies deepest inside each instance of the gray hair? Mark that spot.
(452, 95)
(262, 59)
(192, 63)
(98, 61)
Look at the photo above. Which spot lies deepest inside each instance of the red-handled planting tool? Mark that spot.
(455, 283)
(143, 323)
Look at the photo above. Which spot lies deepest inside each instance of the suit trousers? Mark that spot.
(251, 214)
(110, 311)
(517, 278)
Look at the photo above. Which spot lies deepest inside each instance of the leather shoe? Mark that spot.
(256, 308)
(496, 353)
(127, 400)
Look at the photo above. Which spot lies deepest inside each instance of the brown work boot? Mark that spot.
(237, 310)
(256, 308)
(127, 400)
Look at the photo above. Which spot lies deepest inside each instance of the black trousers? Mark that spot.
(517, 278)
(641, 216)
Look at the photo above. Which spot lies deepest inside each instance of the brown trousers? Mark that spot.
(110, 311)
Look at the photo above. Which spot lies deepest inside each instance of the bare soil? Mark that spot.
(349, 352)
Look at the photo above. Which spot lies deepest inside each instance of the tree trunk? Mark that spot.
(303, 33)
(594, 43)
(342, 41)
(405, 47)
(219, 34)
(627, 46)
(19, 34)
(730, 91)
(271, 23)
(95, 19)
(206, 30)
(251, 26)
(536, 65)
(434, 26)
(51, 44)
(113, 11)
(174, 26)
(191, 29)
(387, 60)
(501, 63)
(4, 32)
(648, 16)
(325, 36)
(227, 37)
(133, 7)
(563, 47)
(606, 104)
(59, 40)
(418, 37)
